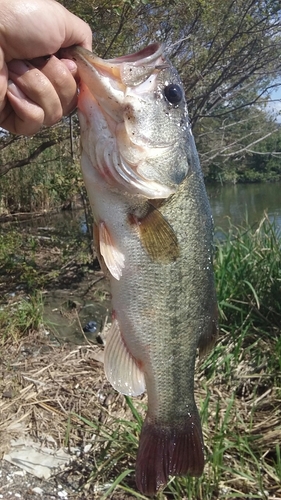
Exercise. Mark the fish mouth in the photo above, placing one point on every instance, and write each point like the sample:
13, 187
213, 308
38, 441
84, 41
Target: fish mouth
109, 87
148, 53
129, 70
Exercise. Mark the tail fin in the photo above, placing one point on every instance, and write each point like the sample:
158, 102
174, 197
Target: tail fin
165, 450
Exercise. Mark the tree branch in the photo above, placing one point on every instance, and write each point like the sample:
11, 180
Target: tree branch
28, 159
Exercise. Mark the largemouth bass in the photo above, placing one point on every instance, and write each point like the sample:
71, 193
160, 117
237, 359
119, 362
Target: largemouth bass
153, 233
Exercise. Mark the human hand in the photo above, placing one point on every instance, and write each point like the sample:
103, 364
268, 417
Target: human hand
36, 87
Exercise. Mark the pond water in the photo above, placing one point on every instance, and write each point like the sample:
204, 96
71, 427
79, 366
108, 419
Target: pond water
245, 203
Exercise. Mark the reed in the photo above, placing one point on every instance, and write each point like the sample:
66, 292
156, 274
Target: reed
248, 275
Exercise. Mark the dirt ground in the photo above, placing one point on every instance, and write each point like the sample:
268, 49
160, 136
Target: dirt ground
43, 387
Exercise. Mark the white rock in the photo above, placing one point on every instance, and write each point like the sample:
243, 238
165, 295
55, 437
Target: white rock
38, 460
38, 490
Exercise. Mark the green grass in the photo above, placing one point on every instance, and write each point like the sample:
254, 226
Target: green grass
248, 276
20, 316
237, 386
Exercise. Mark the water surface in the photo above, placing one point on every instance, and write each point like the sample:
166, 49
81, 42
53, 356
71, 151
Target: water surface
245, 203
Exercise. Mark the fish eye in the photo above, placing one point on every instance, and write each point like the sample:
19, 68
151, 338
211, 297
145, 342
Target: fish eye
173, 93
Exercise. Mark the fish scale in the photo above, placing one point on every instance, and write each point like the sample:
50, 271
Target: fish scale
153, 230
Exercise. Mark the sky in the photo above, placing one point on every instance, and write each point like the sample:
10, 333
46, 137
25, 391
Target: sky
275, 106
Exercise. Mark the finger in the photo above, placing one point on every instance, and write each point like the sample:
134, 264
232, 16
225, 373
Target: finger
20, 115
3, 80
71, 66
37, 88
61, 79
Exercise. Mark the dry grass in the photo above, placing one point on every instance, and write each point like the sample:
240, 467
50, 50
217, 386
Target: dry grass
46, 387
43, 384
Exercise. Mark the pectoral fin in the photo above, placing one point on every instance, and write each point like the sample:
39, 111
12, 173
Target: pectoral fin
157, 236
120, 367
113, 258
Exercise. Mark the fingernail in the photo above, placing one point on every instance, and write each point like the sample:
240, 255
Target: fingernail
71, 65
15, 90
18, 67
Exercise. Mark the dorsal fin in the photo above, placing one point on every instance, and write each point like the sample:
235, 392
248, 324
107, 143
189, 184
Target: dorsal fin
210, 333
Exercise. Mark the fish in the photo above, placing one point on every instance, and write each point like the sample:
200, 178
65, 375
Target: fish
153, 232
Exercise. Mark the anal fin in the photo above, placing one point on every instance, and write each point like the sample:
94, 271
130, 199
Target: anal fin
120, 366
